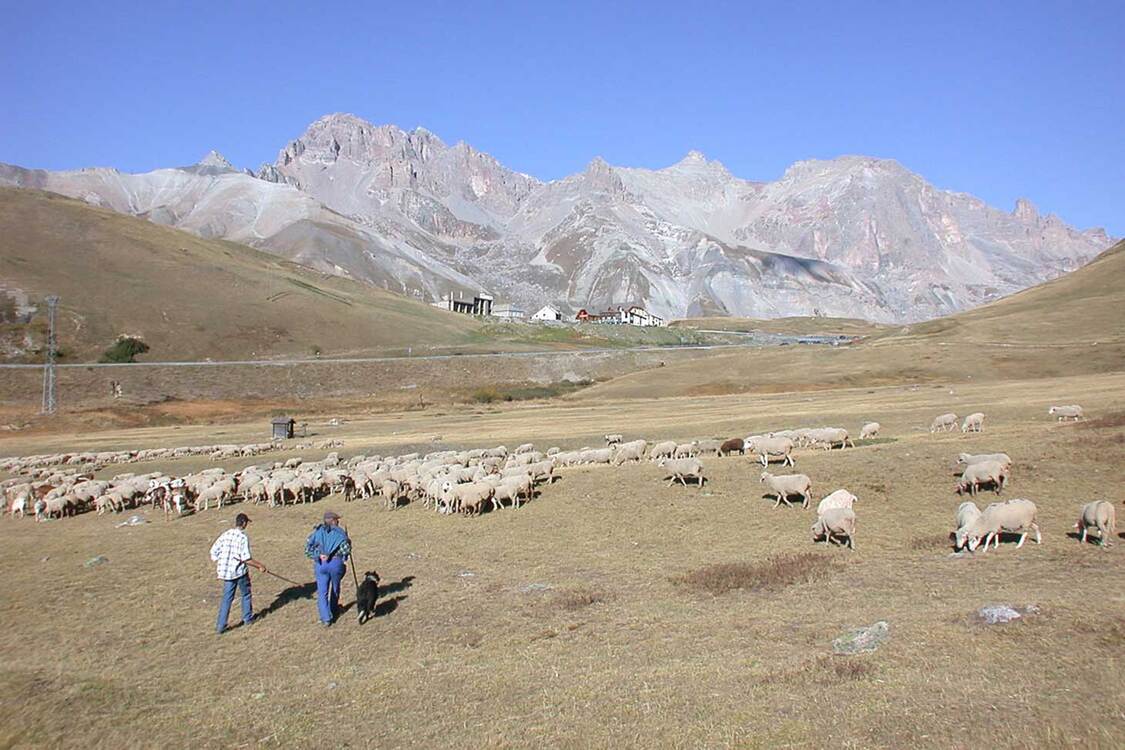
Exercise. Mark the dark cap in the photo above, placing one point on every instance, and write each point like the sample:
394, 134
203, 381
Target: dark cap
331, 515
241, 519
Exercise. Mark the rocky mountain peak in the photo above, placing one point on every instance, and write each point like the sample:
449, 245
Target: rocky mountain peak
1025, 210
216, 160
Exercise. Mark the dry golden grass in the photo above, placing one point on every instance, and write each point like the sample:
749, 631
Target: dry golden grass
560, 624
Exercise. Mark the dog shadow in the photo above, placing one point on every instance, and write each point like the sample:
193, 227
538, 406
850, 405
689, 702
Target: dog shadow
385, 607
291, 594
396, 587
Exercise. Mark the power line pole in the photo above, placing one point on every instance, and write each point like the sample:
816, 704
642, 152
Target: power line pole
50, 402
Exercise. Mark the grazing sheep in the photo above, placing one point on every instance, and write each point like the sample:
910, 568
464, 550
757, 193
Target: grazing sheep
1100, 516
391, 492
633, 451
870, 430
783, 485
768, 448
1074, 411
986, 472
682, 469
1014, 517
973, 423
525, 448
708, 446
734, 445
686, 450
664, 449
466, 498
828, 437
968, 459
612, 440
837, 499
944, 422
967, 515
835, 522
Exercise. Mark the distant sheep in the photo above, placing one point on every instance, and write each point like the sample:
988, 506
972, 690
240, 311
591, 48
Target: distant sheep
734, 445
784, 485
686, 450
986, 472
835, 522
1074, 411
870, 430
973, 423
631, 451
682, 469
664, 449
944, 422
768, 448
613, 439
1101, 517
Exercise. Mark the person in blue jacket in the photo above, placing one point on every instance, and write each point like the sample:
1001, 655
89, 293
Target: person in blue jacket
329, 547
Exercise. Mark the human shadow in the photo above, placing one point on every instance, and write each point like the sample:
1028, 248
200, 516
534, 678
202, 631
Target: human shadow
291, 594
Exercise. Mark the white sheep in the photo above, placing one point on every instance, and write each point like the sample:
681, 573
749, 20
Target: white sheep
1015, 517
967, 515
1074, 411
783, 485
836, 499
835, 522
985, 472
969, 459
973, 423
767, 448
663, 449
682, 469
525, 448
633, 451
945, 422
708, 446
614, 439
686, 450
1100, 516
870, 430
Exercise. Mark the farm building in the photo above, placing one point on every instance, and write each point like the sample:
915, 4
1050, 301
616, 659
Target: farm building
480, 304
282, 428
547, 313
633, 315
508, 311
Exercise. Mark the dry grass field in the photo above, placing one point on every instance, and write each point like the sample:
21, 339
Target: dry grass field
596, 616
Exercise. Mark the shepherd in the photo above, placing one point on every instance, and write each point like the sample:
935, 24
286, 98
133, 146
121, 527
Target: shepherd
231, 555
329, 548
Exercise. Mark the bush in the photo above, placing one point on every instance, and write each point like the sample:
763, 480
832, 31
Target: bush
773, 574
125, 349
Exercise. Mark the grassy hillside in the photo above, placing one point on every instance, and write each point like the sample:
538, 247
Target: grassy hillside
190, 298
795, 326
1072, 325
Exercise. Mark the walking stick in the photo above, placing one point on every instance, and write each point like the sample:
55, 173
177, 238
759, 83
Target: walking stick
355, 576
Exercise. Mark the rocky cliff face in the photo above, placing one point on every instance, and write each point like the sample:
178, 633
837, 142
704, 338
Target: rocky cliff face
853, 236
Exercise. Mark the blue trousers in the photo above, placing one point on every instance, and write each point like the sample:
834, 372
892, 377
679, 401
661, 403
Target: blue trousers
328, 577
242, 584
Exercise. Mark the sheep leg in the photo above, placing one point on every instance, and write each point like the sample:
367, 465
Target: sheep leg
1039, 537
1083, 539
1023, 536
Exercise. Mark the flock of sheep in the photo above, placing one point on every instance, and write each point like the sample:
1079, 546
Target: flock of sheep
491, 479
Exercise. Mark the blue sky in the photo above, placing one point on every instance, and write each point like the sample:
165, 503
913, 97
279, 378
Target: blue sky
996, 99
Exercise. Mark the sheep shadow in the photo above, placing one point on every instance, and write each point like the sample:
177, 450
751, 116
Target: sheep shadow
291, 594
789, 503
1091, 537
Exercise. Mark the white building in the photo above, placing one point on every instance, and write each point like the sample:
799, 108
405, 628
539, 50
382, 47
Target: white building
508, 311
548, 313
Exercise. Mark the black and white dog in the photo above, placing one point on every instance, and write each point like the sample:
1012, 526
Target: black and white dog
366, 595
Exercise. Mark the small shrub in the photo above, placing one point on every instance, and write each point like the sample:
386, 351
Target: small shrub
125, 349
774, 573
578, 599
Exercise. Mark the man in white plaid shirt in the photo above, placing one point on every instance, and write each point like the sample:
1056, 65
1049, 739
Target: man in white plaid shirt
231, 555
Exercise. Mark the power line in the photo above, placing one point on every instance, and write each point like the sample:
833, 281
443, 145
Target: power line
50, 401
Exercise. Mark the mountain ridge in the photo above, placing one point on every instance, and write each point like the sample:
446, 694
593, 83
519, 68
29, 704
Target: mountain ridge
854, 236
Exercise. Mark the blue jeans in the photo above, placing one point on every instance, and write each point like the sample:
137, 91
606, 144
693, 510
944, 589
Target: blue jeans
328, 577
243, 584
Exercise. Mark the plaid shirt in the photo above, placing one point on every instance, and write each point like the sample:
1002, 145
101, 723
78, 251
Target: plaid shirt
231, 551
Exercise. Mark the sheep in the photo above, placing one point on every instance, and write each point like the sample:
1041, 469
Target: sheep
686, 450
596, 456
664, 449
837, 499
708, 446
525, 448
784, 485
767, 448
829, 436
734, 445
615, 439
512, 489
1015, 516
986, 472
967, 515
973, 423
682, 469
838, 522
633, 451
391, 492
543, 470
944, 422
968, 459
468, 498
1074, 411
870, 430
1100, 516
